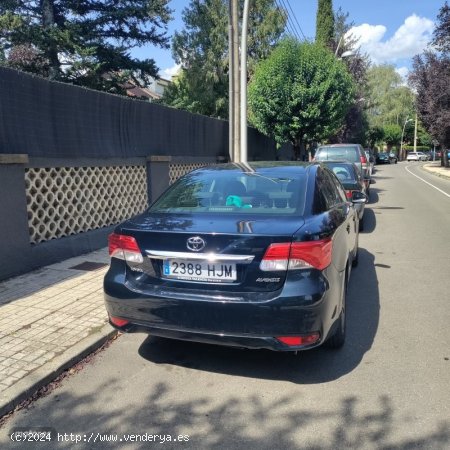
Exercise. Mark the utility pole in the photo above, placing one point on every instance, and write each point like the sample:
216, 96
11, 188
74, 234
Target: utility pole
401, 155
230, 83
235, 74
243, 135
415, 135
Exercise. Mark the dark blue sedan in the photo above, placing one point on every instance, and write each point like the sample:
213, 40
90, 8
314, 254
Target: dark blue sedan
251, 255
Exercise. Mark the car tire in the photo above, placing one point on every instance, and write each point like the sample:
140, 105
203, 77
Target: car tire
356, 259
337, 339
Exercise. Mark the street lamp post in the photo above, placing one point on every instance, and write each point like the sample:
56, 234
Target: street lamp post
401, 142
244, 82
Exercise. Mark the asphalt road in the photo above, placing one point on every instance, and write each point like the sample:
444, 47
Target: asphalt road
388, 388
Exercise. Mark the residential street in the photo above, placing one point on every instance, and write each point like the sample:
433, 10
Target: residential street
388, 388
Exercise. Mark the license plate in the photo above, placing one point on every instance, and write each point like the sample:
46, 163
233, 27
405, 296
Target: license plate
199, 271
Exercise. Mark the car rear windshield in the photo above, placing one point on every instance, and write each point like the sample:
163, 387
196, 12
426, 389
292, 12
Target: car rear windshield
340, 153
222, 192
344, 172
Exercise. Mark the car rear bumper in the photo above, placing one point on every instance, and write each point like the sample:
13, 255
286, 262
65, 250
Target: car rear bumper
250, 324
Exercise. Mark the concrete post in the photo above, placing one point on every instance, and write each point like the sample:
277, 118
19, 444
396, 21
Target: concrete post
14, 235
158, 177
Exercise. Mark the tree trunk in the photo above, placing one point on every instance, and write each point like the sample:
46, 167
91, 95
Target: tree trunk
48, 22
296, 149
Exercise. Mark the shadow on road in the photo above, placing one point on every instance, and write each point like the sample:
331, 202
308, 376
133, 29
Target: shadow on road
116, 403
310, 367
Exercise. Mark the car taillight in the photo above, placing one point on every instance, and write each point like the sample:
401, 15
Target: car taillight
295, 341
363, 159
124, 247
118, 322
298, 255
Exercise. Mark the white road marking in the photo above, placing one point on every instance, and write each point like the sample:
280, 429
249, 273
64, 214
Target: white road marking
429, 184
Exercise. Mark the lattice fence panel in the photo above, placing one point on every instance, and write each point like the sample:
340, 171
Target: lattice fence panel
63, 201
178, 170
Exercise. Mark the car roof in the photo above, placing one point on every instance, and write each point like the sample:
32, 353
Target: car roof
340, 145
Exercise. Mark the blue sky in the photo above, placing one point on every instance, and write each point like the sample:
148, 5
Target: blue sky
390, 31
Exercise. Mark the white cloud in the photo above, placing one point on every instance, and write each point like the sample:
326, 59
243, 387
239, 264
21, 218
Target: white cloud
171, 71
403, 72
410, 39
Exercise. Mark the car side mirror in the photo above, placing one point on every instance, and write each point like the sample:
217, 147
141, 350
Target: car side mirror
359, 197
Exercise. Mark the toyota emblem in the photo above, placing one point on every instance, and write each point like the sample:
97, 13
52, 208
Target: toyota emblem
196, 244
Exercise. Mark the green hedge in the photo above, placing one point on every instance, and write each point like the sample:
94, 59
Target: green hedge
420, 148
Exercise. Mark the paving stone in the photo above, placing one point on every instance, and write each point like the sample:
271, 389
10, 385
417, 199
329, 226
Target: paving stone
46, 312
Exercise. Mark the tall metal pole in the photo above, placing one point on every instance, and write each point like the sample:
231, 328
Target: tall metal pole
401, 156
236, 91
230, 83
415, 135
243, 136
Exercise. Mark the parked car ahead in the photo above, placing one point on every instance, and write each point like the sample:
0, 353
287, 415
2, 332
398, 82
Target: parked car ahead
256, 255
386, 158
353, 153
352, 181
416, 156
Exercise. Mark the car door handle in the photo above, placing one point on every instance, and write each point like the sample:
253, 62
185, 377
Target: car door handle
348, 228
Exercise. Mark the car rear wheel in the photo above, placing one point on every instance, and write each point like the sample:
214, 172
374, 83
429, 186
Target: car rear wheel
337, 339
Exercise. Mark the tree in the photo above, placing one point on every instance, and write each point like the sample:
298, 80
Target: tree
392, 135
355, 124
441, 34
388, 100
202, 50
374, 135
325, 23
430, 77
299, 94
84, 42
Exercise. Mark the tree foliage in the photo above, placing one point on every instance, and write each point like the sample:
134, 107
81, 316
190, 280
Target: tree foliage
325, 23
374, 135
430, 78
202, 50
355, 124
84, 42
392, 134
389, 101
300, 93
441, 34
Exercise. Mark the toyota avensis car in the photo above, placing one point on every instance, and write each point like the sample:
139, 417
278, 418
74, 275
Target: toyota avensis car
253, 255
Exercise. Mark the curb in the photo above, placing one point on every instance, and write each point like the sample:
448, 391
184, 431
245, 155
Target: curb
29, 384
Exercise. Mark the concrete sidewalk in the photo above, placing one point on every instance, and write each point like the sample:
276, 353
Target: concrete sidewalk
435, 168
53, 317
49, 320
